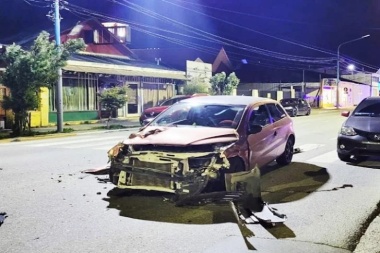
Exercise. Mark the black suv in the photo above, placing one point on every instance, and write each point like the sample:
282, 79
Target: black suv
359, 136
296, 106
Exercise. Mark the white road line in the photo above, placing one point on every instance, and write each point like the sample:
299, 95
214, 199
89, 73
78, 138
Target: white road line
110, 144
308, 147
104, 148
328, 157
56, 143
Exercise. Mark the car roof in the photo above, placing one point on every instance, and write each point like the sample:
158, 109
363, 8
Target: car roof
225, 99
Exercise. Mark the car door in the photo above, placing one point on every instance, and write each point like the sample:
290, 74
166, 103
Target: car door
280, 127
261, 145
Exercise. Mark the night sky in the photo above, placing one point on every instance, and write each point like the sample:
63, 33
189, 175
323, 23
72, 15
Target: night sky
269, 28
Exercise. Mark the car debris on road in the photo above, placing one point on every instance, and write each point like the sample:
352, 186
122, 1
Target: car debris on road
2, 217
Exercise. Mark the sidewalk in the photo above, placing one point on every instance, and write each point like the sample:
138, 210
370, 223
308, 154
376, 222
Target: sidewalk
77, 126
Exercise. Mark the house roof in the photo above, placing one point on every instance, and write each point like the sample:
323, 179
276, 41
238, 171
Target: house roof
177, 57
116, 65
93, 24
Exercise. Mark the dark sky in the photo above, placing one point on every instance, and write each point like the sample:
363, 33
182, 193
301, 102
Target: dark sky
288, 27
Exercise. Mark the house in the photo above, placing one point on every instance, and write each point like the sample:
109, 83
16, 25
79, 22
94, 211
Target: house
106, 62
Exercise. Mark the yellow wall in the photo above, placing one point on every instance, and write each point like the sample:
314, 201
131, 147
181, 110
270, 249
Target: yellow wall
40, 118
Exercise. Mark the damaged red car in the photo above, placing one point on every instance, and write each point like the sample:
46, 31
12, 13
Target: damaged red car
204, 144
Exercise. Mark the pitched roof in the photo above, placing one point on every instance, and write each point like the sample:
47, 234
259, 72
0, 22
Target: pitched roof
177, 57
93, 24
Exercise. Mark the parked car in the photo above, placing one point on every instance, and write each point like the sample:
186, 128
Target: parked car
152, 112
202, 142
359, 136
296, 106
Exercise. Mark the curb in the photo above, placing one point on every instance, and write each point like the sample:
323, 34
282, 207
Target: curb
38, 137
83, 131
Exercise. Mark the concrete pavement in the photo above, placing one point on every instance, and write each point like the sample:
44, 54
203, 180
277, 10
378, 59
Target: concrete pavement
369, 242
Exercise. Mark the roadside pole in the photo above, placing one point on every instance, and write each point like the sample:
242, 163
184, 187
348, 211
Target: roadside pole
59, 103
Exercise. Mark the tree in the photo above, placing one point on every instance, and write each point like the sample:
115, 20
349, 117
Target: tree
112, 99
223, 85
28, 70
195, 86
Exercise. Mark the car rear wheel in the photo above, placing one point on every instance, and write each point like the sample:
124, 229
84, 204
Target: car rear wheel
286, 157
295, 112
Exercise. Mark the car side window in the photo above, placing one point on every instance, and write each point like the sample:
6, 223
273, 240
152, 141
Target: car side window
259, 116
276, 112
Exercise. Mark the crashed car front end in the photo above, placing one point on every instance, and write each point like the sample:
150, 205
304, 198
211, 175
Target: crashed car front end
174, 169
188, 152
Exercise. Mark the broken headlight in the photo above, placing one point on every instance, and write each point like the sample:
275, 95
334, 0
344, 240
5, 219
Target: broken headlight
220, 148
199, 162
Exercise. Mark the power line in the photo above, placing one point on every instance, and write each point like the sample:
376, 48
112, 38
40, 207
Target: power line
204, 36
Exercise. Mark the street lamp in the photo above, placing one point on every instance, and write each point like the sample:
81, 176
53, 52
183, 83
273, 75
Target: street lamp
351, 68
337, 66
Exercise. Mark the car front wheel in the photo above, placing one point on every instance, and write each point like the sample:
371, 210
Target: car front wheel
286, 157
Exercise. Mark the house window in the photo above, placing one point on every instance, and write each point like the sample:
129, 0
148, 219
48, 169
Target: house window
88, 36
78, 93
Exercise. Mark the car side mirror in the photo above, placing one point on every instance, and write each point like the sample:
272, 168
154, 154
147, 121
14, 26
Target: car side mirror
254, 129
345, 113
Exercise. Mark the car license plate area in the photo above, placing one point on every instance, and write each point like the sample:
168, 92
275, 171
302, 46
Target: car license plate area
375, 147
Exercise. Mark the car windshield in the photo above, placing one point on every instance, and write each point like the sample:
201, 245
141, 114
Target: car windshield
205, 115
368, 108
286, 102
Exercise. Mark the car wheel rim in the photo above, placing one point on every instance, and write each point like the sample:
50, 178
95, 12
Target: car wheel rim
289, 151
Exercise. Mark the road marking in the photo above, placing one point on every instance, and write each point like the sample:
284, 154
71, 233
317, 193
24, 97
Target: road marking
110, 144
76, 141
328, 157
308, 147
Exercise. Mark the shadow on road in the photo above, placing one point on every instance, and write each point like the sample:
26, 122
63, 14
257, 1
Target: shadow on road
279, 185
156, 206
292, 182
370, 162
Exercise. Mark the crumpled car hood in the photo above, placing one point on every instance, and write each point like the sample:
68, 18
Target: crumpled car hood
182, 136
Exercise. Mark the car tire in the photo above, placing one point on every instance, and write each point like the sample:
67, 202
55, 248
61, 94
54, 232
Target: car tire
345, 158
308, 112
113, 175
286, 157
236, 165
295, 112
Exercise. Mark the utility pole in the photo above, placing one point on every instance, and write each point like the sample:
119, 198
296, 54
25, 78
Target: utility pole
59, 104
337, 66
